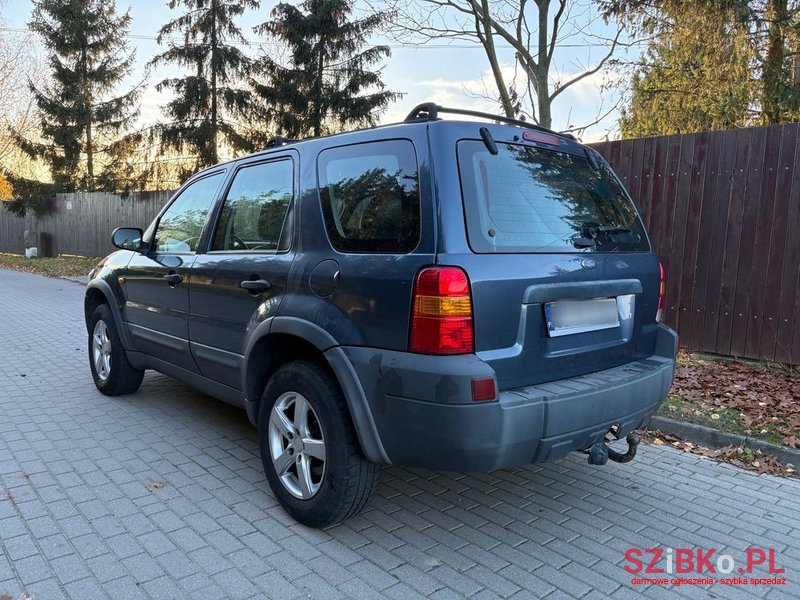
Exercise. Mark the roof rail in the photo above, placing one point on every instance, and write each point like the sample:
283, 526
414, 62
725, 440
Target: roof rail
277, 141
429, 111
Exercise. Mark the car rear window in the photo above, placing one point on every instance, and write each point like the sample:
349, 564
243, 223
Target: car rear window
370, 196
531, 199
255, 208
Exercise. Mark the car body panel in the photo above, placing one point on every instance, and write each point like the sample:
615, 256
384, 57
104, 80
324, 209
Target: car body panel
219, 337
353, 308
510, 328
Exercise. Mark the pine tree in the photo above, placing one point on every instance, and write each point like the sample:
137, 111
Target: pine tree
325, 86
202, 114
778, 31
712, 64
81, 119
696, 76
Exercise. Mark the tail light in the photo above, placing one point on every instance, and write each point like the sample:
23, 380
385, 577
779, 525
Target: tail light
441, 318
662, 295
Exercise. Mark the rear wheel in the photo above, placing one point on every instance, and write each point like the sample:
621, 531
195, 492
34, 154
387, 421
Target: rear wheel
309, 447
112, 373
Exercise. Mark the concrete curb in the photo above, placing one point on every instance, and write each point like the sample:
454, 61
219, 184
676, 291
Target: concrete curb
713, 438
80, 279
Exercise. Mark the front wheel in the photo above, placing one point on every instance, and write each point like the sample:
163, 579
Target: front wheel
309, 448
112, 373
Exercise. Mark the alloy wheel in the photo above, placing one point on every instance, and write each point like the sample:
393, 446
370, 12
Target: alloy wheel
296, 445
101, 350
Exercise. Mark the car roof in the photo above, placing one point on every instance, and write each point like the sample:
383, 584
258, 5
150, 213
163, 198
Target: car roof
392, 129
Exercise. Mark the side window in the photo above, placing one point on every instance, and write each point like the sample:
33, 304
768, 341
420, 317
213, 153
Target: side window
180, 226
255, 208
370, 196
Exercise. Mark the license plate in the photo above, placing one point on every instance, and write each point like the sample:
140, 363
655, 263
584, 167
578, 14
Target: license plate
567, 317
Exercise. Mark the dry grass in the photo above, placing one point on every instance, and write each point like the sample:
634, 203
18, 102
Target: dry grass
59, 266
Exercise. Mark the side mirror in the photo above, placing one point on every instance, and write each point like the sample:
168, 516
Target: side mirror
127, 238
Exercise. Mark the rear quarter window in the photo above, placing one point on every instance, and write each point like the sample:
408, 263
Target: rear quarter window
370, 196
531, 199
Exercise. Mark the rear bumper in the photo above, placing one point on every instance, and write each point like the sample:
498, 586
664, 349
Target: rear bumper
418, 406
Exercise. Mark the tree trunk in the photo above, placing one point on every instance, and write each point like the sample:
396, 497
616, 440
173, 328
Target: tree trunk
87, 98
542, 72
772, 76
487, 39
89, 156
543, 98
318, 90
213, 140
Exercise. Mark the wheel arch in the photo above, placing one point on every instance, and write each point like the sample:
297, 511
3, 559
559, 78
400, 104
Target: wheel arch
99, 292
283, 339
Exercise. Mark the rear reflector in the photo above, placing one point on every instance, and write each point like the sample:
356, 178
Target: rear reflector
441, 318
662, 295
483, 390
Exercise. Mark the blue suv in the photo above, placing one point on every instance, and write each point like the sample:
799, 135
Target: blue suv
460, 295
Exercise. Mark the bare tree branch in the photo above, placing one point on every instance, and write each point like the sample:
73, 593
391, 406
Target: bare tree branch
554, 35
534, 48
588, 72
18, 65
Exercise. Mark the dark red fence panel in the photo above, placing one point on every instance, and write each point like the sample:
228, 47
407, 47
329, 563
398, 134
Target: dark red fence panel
723, 212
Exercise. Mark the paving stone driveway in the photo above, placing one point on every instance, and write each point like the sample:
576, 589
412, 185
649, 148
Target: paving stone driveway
85, 512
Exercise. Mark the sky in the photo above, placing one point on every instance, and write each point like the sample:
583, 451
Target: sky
451, 76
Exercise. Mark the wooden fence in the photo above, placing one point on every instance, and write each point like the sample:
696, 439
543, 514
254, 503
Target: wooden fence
723, 212
722, 209
81, 223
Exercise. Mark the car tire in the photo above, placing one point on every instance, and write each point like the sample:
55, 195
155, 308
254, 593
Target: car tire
112, 373
309, 449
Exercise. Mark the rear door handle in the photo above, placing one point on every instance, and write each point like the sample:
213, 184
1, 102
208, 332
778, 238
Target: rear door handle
173, 278
256, 286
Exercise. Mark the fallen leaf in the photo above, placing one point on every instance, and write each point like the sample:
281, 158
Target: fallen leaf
156, 485
742, 457
791, 441
765, 397
433, 562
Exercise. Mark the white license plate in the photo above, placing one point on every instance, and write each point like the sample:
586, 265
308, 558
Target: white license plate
567, 317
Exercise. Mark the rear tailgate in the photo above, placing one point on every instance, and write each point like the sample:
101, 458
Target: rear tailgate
563, 279
511, 295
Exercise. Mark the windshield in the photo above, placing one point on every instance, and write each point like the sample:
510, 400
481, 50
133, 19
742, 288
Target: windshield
529, 199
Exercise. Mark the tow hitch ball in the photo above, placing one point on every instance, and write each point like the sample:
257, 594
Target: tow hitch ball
599, 453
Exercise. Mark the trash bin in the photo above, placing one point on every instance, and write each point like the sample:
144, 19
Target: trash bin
31, 239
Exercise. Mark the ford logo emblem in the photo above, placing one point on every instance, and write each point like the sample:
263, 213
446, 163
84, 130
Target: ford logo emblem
588, 263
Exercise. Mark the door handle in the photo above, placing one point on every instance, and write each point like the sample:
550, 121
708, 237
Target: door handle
172, 279
256, 286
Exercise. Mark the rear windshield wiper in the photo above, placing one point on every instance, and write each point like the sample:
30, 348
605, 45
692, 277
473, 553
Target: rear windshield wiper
592, 231
488, 141
611, 229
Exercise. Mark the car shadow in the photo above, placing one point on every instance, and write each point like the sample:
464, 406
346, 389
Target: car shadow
520, 509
